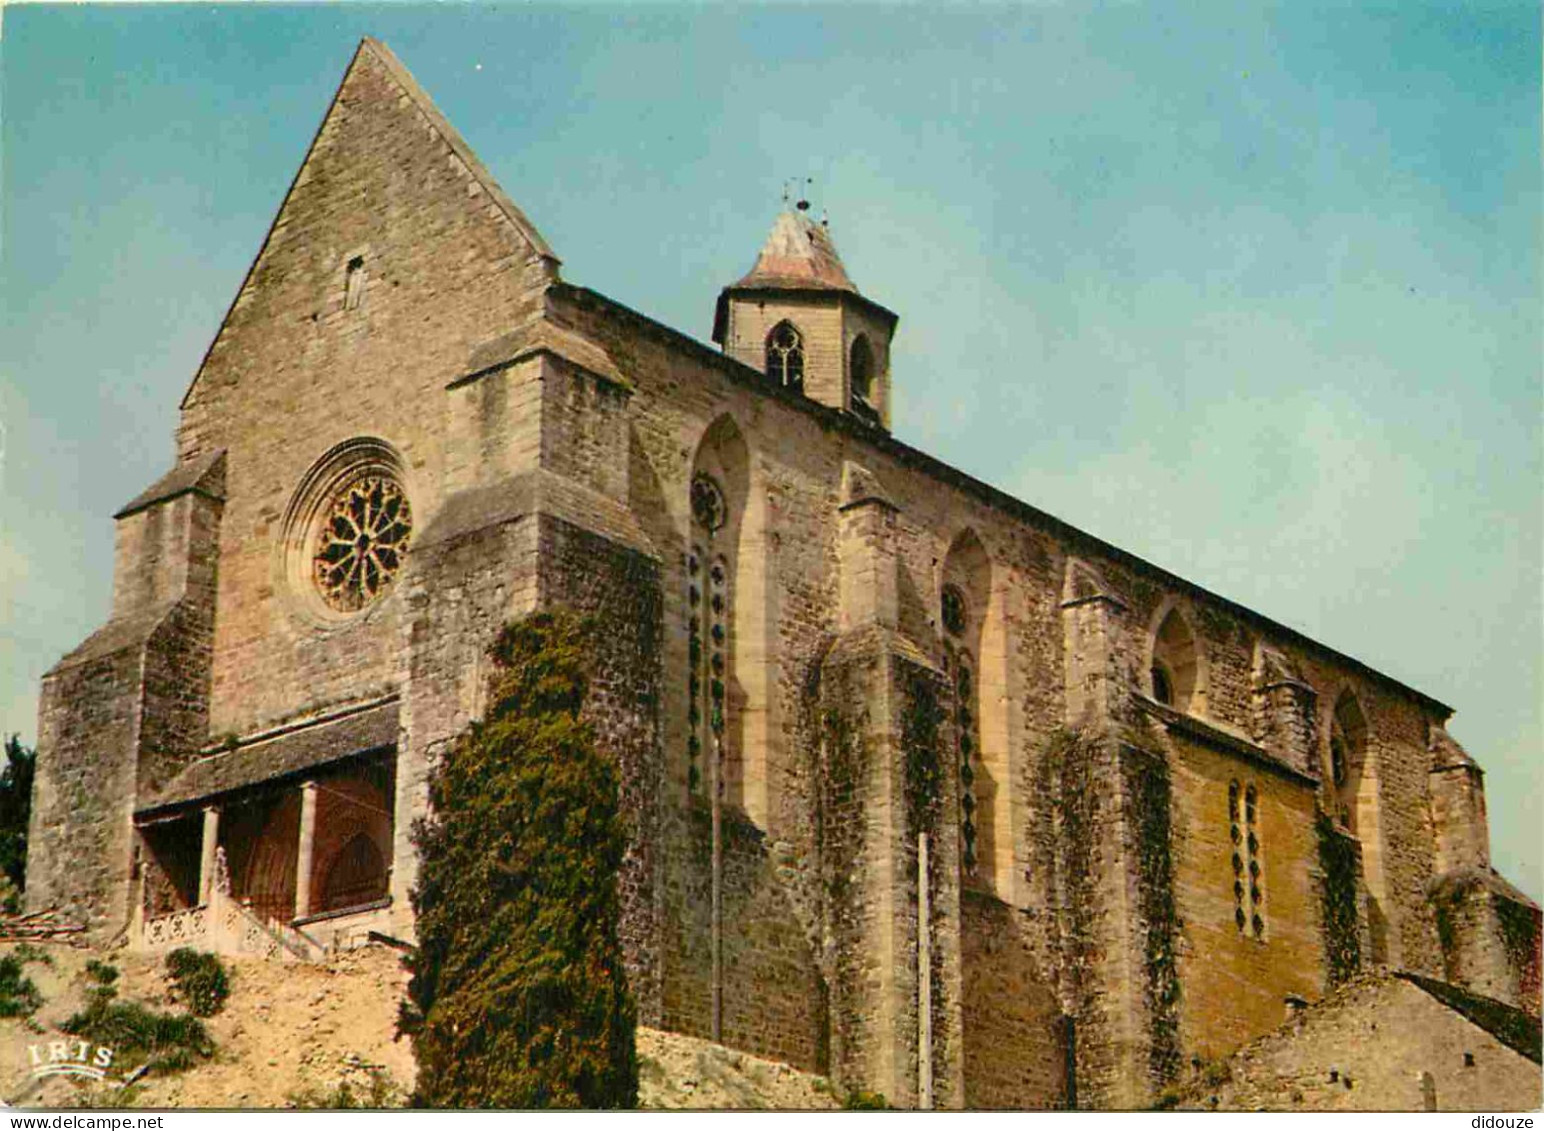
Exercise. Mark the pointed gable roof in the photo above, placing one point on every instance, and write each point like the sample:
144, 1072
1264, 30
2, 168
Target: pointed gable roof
380, 54
457, 143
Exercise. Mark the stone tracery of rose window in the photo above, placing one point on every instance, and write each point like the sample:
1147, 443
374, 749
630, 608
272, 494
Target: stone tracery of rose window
362, 542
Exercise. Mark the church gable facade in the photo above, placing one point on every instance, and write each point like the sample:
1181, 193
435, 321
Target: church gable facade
929, 790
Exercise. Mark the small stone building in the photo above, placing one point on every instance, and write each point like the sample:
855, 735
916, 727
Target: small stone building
1381, 1042
929, 790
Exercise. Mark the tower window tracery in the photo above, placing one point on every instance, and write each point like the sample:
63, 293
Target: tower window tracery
785, 356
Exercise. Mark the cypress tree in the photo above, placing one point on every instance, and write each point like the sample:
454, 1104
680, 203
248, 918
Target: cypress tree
518, 997
15, 809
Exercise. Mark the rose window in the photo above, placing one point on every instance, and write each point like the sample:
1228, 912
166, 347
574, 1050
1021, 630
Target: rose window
362, 542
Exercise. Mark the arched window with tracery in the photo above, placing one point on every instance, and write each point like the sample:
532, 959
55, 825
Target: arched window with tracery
785, 356
720, 692
962, 616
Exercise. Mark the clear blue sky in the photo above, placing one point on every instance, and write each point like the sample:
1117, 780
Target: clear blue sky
1251, 291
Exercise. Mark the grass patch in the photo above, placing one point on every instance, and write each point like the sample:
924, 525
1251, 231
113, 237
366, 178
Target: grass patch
380, 1091
26, 952
108, 1097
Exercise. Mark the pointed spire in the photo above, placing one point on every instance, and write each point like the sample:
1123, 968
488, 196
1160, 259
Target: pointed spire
799, 270
799, 255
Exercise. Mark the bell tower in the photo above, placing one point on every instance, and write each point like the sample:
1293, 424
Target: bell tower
798, 319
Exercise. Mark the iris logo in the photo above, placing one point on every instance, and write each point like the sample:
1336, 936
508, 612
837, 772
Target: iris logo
70, 1058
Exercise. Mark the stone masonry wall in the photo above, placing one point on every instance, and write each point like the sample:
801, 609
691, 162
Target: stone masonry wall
457, 594
886, 766
1490, 937
819, 322
797, 459
1014, 1031
1381, 1044
1234, 983
1458, 819
617, 587
174, 708
295, 372
87, 742
123, 712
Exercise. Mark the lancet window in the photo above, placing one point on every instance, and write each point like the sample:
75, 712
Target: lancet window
708, 581
961, 665
1248, 860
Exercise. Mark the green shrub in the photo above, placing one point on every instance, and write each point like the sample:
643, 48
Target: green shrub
18, 996
10, 896
859, 1100
200, 980
102, 973
138, 1035
518, 997
1216, 1074
15, 811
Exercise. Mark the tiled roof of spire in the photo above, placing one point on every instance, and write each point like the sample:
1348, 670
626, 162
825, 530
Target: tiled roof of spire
799, 255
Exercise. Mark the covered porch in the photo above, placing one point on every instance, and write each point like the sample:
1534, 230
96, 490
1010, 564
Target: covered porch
279, 847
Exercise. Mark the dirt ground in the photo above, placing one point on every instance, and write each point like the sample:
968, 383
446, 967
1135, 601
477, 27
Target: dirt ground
292, 1033
675, 1071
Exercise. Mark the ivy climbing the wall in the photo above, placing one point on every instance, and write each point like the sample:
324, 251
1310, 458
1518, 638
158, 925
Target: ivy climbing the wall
1444, 905
1147, 797
1067, 853
919, 739
1520, 938
1342, 939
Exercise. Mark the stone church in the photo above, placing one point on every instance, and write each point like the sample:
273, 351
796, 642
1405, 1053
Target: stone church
928, 790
